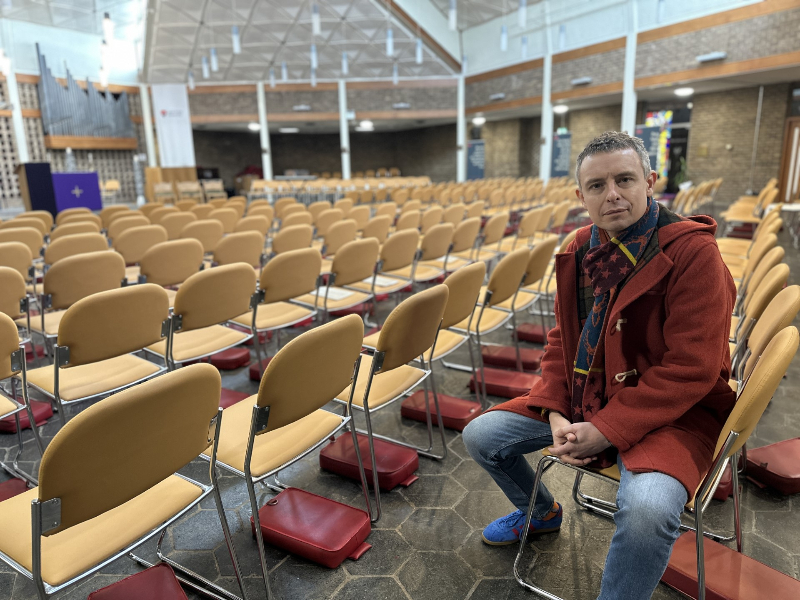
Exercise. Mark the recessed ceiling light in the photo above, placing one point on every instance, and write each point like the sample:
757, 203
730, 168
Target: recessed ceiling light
366, 125
254, 126
684, 91
478, 121
289, 130
560, 109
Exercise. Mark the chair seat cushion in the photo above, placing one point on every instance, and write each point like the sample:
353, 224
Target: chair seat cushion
325, 266
7, 406
481, 255
95, 378
524, 298
425, 272
275, 316
272, 449
132, 273
338, 298
386, 386
51, 322
71, 552
383, 284
447, 341
492, 319
187, 345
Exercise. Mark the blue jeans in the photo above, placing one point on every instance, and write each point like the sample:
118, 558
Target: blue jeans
650, 504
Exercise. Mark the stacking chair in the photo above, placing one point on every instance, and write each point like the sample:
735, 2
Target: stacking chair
29, 236
337, 236
292, 238
360, 214
771, 258
354, 263
772, 223
99, 497
297, 218
96, 336
14, 301
121, 224
285, 421
344, 205
386, 208
315, 208
201, 211
290, 209
217, 203
486, 248
327, 218
212, 189
378, 228
186, 205
475, 209
454, 214
755, 302
64, 229
526, 231
164, 193
108, 211
148, 209
409, 219
18, 222
464, 239
434, 253
411, 205
43, 215
133, 243
207, 231
242, 247
81, 217
175, 222
259, 223
264, 210
750, 405
17, 256
72, 279
189, 190
430, 218
284, 278
396, 264
70, 211
741, 268
12, 366
161, 212
237, 203
227, 216
204, 304
281, 203
71, 245
408, 333
169, 264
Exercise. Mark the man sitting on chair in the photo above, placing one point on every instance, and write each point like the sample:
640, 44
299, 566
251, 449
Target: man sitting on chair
635, 371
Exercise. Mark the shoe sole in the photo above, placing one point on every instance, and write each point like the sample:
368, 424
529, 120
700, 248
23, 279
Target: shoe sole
535, 532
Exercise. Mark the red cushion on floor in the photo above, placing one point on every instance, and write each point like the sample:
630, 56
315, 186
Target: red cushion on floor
396, 464
506, 357
316, 528
531, 332
456, 412
729, 574
230, 359
776, 465
506, 384
12, 487
255, 372
725, 487
354, 310
156, 583
29, 351
41, 412
304, 323
230, 397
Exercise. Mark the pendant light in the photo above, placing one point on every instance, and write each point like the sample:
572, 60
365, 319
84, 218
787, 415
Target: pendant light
314, 60
204, 67
236, 40
190, 79
316, 26
345, 65
395, 75
522, 13
504, 38
419, 51
271, 77
313, 78
284, 72
214, 60
523, 45
389, 42
452, 16
108, 26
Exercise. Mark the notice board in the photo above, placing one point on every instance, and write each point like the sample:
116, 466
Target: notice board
562, 148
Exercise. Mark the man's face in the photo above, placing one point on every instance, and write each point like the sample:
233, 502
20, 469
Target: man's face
614, 190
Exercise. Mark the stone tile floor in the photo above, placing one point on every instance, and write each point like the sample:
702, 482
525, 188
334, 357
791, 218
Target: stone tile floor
427, 545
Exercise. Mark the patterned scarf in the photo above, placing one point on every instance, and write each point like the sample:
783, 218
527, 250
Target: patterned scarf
603, 270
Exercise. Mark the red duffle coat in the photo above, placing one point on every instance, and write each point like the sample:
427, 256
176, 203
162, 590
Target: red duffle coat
670, 323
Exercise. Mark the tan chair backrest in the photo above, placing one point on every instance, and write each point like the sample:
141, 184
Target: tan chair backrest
202, 211
465, 286
70, 211
408, 220
29, 236
359, 214
126, 214
133, 243
292, 238
76, 277
771, 258
18, 222
355, 261
411, 205
264, 210
568, 239
280, 203
79, 227
172, 262
227, 216
17, 256
81, 217
539, 260
12, 290
779, 313
148, 208
215, 295
217, 203
430, 218
174, 223
9, 343
332, 349
100, 439
344, 205
105, 214
475, 209
161, 212
437, 241
119, 225
339, 234
454, 214
494, 229
378, 228
186, 205
411, 328
44, 216
258, 223
764, 244
316, 208
466, 233
399, 250
327, 218
290, 274
290, 209
400, 197
207, 231
74, 244
134, 314
769, 287
387, 208
507, 276
297, 218
245, 246
529, 224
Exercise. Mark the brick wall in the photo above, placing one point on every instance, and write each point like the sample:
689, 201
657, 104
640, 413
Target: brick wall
729, 117
512, 147
585, 125
427, 98
518, 85
761, 36
244, 103
606, 67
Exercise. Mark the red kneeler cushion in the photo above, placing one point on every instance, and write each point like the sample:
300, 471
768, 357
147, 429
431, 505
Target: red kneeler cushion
230, 359
41, 412
396, 464
457, 413
156, 583
319, 529
506, 357
776, 465
506, 384
12, 487
230, 397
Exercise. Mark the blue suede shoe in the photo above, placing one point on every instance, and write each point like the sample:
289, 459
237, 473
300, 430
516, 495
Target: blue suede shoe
506, 530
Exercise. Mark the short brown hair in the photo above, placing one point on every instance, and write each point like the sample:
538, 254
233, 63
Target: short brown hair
614, 141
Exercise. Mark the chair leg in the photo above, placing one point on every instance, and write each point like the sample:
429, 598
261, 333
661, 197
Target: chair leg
701, 558
251, 492
737, 522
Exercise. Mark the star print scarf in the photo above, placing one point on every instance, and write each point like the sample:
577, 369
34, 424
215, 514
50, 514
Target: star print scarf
604, 268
